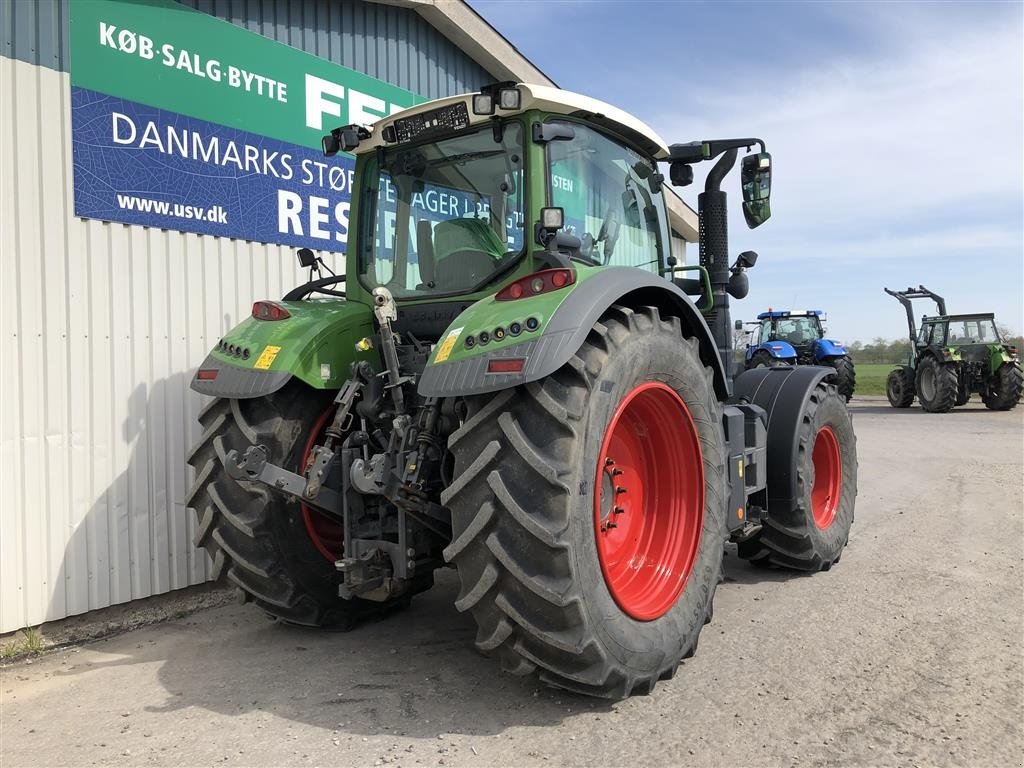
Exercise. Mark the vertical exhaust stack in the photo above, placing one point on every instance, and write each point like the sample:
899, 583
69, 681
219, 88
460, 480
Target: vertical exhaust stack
712, 210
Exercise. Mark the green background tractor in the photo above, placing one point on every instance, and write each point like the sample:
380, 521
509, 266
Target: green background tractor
511, 380
952, 357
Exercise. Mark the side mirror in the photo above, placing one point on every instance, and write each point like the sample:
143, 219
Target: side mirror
306, 258
756, 181
747, 259
738, 325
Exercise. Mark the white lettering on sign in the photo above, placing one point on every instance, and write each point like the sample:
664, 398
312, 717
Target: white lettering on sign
561, 182
290, 219
129, 42
316, 105
324, 97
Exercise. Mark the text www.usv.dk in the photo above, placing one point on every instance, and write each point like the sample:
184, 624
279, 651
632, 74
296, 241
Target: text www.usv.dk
215, 214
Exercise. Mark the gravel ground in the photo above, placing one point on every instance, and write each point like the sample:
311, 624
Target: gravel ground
909, 652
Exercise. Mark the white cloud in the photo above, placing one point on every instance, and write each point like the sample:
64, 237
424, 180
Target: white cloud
937, 128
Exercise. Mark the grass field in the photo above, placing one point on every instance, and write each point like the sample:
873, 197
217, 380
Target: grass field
871, 378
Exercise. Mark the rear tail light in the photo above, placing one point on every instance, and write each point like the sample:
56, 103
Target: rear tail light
207, 374
539, 282
508, 365
268, 310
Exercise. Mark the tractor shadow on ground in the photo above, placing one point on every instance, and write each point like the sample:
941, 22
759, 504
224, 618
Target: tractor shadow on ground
737, 571
916, 411
411, 673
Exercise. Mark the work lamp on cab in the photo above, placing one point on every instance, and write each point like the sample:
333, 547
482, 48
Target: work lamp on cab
510, 98
552, 219
483, 104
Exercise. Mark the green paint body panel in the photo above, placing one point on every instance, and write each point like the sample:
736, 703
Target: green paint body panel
488, 314
999, 354
321, 331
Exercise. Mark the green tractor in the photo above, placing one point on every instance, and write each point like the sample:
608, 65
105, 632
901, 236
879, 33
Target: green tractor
511, 380
952, 357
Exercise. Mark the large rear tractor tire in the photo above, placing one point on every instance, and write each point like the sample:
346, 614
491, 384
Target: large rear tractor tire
899, 388
763, 359
279, 553
588, 511
936, 385
810, 535
846, 375
1004, 392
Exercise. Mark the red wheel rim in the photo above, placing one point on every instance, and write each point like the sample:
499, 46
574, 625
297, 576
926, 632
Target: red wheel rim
649, 501
326, 534
828, 477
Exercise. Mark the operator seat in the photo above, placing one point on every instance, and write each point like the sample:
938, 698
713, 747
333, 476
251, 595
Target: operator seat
465, 253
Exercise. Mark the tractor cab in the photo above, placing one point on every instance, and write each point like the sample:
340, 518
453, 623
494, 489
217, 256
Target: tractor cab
798, 328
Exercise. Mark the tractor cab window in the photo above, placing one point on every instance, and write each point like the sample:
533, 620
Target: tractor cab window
795, 330
606, 192
933, 333
973, 331
443, 217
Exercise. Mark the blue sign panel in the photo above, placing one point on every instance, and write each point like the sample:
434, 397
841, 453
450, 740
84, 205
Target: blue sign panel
142, 165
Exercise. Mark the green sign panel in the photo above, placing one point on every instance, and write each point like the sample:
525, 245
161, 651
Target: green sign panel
163, 54
183, 121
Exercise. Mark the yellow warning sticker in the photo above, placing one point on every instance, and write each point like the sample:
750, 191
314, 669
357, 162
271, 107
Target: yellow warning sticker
266, 357
445, 350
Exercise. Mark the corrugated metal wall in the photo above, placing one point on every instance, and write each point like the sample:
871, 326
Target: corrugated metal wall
102, 324
383, 41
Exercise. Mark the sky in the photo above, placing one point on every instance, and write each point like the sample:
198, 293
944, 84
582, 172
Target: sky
896, 132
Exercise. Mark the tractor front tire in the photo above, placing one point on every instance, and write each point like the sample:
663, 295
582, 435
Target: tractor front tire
936, 385
846, 375
266, 544
588, 511
1004, 392
811, 535
899, 388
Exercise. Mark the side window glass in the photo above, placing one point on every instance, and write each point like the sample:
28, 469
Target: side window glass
602, 187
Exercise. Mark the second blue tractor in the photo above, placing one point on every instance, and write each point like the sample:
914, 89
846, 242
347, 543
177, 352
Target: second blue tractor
796, 337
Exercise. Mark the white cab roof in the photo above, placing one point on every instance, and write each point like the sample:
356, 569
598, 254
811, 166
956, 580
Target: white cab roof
549, 99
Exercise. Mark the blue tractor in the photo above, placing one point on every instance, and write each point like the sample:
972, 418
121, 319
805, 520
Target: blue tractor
796, 337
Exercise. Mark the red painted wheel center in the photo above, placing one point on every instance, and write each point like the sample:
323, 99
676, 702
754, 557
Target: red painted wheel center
326, 534
828, 477
649, 501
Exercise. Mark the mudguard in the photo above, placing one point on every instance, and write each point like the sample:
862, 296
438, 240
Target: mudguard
829, 348
783, 393
780, 350
564, 318
315, 344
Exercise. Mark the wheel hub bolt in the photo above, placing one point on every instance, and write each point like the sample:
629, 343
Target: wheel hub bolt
619, 489
618, 510
616, 472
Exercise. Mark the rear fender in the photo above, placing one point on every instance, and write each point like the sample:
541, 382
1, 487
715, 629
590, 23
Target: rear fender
316, 345
826, 349
564, 318
780, 350
783, 393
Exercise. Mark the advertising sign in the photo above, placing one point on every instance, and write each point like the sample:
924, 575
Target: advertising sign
183, 121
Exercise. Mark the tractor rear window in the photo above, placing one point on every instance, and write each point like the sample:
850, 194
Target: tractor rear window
443, 217
980, 331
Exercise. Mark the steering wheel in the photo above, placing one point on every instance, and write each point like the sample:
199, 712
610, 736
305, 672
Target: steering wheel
316, 286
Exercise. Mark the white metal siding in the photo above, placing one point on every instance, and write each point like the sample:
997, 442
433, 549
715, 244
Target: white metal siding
102, 326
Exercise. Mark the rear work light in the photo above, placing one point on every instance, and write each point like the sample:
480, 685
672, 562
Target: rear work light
268, 310
539, 282
508, 365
